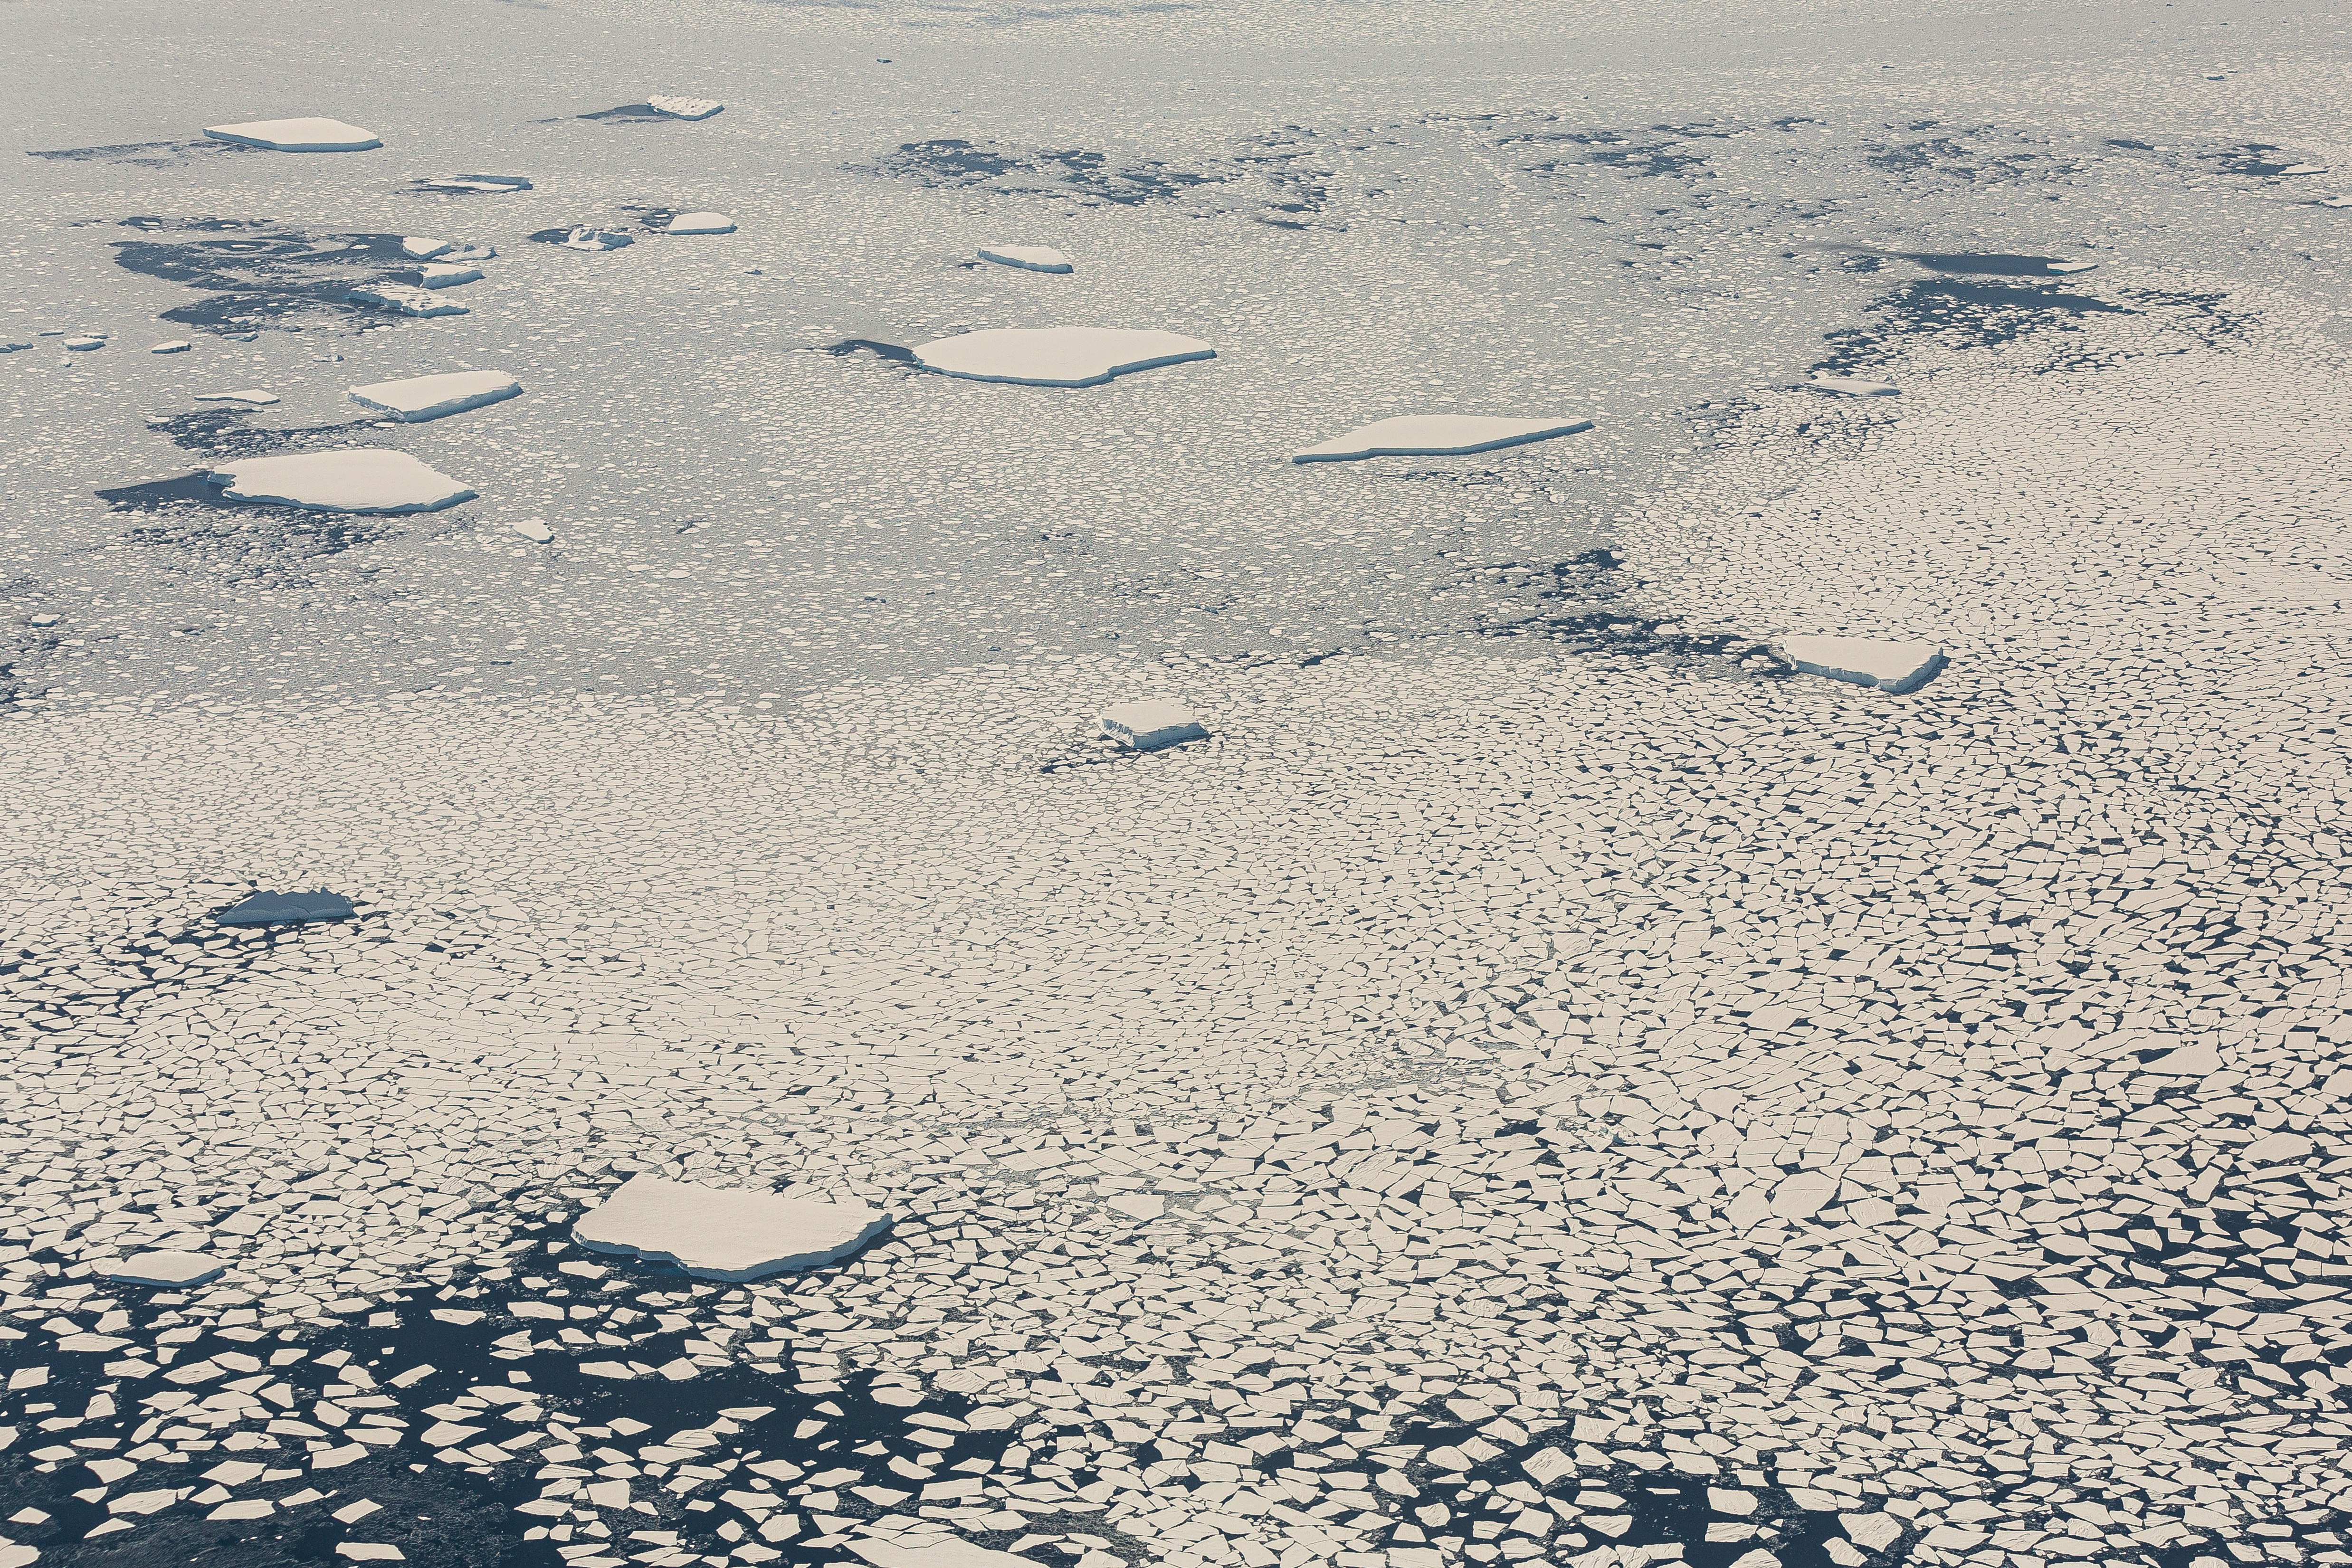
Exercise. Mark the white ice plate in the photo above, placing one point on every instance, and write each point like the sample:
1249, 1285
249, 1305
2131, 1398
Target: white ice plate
1868, 661
685, 108
493, 185
1058, 356
534, 530
426, 249
1437, 436
405, 297
312, 135
950, 1553
363, 479
447, 274
175, 346
1853, 386
251, 394
700, 224
1029, 258
2071, 265
84, 345
720, 1233
421, 398
2303, 169
166, 1268
1149, 725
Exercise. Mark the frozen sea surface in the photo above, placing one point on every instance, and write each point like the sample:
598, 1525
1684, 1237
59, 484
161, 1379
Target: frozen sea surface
1540, 1081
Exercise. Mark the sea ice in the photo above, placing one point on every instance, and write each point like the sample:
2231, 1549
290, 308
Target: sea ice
287, 909
2071, 265
700, 224
1853, 386
717, 1233
585, 239
536, 531
1029, 257
489, 185
683, 108
421, 398
405, 297
251, 394
313, 135
1437, 436
1890, 667
2303, 169
1058, 356
1149, 725
358, 479
167, 1269
426, 249
84, 345
947, 1551
444, 275
175, 346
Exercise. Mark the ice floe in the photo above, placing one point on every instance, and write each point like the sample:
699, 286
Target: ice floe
2068, 267
426, 249
167, 1269
1437, 436
1028, 257
306, 135
485, 184
360, 480
258, 396
1891, 666
1851, 386
287, 909
533, 530
447, 274
420, 398
677, 107
1058, 356
935, 1552
406, 298
1151, 723
84, 345
724, 1233
699, 224
585, 239
172, 345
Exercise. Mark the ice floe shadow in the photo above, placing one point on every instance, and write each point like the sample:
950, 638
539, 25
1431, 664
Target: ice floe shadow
144, 154
257, 274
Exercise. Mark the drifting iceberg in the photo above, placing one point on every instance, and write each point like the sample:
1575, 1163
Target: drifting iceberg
718, 1233
421, 398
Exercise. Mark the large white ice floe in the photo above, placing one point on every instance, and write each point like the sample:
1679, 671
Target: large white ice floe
1058, 356
721, 1233
425, 249
533, 530
447, 274
1853, 386
683, 108
937, 1551
699, 224
2070, 267
1891, 666
311, 135
1028, 257
421, 398
1149, 725
169, 1269
405, 297
1437, 436
361, 479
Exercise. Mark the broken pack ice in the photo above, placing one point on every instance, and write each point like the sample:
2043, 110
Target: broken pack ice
405, 297
420, 398
1891, 666
1058, 356
358, 479
304, 135
1437, 436
166, 1268
1149, 725
720, 1233
287, 909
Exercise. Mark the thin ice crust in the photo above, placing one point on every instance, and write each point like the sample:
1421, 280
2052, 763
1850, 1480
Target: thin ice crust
718, 1233
1437, 436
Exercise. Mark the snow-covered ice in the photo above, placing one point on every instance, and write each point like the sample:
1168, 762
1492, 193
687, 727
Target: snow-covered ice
303, 135
172, 345
1028, 257
677, 107
426, 249
420, 398
357, 479
406, 298
84, 345
167, 1269
1437, 436
533, 530
1058, 356
1853, 386
1891, 665
1151, 723
699, 224
447, 274
725, 1233
486, 184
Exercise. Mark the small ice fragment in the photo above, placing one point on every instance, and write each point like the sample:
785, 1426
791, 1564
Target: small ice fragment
369, 1552
586, 238
1437, 436
169, 1269
357, 479
492, 184
1151, 723
84, 345
2303, 169
714, 1233
352, 1512
312, 135
1890, 667
938, 1551
1058, 356
287, 909
1140, 1205
251, 394
2070, 265
426, 249
1029, 257
448, 276
537, 532
176, 346
46, 619
683, 108
405, 298
421, 398
1853, 386
700, 224
11, 346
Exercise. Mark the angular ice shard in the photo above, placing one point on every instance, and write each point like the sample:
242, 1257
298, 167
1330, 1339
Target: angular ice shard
2073, 265
1151, 723
405, 297
1029, 257
166, 1268
683, 108
361, 480
1437, 436
1867, 661
718, 1233
287, 909
421, 398
312, 135
1058, 356
700, 224
937, 1551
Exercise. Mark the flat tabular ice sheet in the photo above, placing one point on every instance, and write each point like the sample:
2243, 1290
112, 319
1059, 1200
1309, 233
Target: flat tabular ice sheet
1029, 257
936, 1553
718, 1233
1853, 386
368, 479
312, 135
421, 398
1058, 356
167, 1269
700, 224
1151, 723
1437, 436
1868, 661
683, 108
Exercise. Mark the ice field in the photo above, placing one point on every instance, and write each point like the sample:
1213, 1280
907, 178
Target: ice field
659, 916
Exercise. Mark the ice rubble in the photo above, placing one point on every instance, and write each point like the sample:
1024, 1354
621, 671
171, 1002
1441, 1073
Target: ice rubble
1058, 356
308, 135
166, 1268
287, 909
420, 398
1437, 436
1891, 666
358, 479
406, 298
1149, 725
1029, 257
700, 224
717, 1233
586, 238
